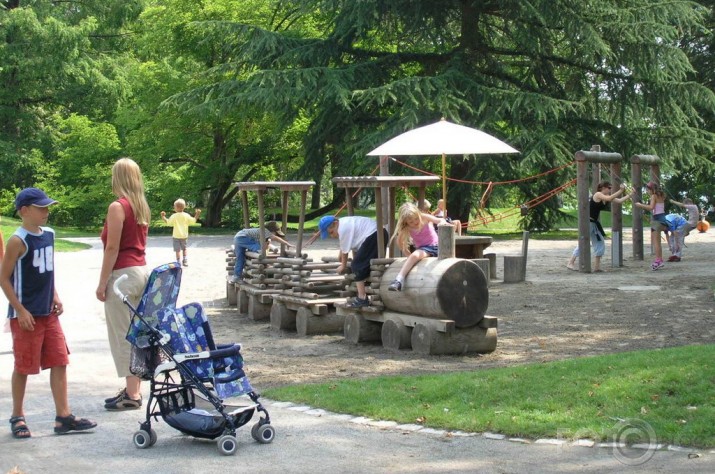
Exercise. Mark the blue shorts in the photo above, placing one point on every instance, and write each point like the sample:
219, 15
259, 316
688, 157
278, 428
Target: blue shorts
430, 250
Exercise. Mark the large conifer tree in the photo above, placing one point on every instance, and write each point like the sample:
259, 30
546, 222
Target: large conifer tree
549, 76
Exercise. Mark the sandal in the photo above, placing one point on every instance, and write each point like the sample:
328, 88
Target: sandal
19, 431
70, 423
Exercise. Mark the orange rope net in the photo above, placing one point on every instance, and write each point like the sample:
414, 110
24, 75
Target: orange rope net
482, 218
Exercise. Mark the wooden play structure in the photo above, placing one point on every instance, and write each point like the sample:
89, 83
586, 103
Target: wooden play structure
288, 288
442, 309
596, 158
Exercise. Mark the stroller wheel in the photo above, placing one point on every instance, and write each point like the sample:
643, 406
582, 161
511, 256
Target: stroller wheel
264, 434
227, 445
152, 437
143, 440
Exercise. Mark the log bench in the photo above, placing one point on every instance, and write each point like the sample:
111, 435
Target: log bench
471, 246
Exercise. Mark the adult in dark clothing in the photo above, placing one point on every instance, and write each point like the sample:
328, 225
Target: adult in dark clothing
599, 202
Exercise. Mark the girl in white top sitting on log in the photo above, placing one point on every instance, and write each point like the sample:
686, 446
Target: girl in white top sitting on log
439, 212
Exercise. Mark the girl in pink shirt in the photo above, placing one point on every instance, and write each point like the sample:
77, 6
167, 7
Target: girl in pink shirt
656, 206
416, 226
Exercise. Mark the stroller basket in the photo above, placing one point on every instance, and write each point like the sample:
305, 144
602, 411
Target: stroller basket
178, 408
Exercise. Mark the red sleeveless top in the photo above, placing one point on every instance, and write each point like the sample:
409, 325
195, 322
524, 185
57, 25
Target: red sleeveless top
132, 243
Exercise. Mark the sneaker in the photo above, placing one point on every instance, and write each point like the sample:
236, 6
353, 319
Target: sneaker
395, 285
119, 395
235, 279
658, 264
672, 258
676, 259
123, 402
185, 262
358, 303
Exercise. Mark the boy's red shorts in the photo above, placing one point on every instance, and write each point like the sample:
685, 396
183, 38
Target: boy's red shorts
45, 347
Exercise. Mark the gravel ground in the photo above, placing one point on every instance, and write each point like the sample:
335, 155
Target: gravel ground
555, 314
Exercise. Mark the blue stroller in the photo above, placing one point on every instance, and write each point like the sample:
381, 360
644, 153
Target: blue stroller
190, 376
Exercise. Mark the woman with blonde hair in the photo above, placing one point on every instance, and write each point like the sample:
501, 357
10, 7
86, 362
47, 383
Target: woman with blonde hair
124, 239
416, 226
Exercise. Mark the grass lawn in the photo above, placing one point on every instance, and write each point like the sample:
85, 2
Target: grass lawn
670, 390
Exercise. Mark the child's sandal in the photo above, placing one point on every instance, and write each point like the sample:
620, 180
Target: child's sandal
71, 423
19, 431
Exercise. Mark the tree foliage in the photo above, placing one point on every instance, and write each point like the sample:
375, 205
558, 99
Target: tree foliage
549, 76
204, 94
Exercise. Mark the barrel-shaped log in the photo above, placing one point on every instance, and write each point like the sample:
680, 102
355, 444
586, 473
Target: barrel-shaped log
358, 329
282, 318
307, 323
427, 340
451, 288
395, 335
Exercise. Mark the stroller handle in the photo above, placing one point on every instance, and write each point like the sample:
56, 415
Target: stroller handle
117, 283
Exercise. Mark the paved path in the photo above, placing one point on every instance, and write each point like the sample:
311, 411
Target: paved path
306, 440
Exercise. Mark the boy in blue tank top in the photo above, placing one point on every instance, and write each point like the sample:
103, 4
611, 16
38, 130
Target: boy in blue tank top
27, 278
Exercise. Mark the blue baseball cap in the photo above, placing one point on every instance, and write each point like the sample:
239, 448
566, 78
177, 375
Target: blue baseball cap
325, 222
32, 197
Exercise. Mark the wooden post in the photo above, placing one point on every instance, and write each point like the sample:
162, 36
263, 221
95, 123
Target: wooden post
349, 201
595, 170
242, 301
616, 220
584, 226
246, 215
492, 265
262, 220
446, 242
231, 295
385, 191
636, 177
637, 236
284, 217
392, 210
301, 221
524, 250
380, 224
